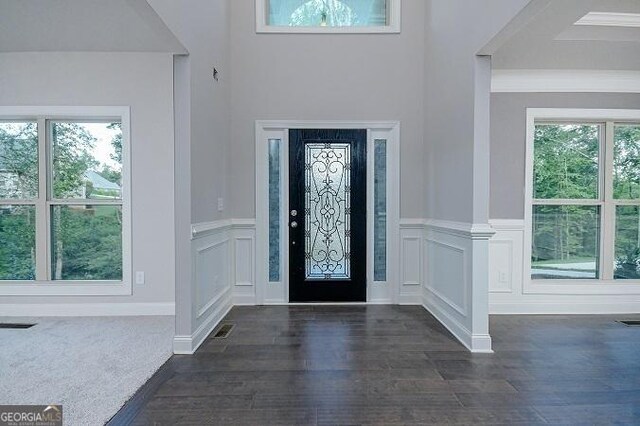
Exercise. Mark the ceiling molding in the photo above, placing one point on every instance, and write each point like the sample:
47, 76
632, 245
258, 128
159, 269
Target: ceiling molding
565, 81
610, 19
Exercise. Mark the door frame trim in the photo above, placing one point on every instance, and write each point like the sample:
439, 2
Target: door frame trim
278, 293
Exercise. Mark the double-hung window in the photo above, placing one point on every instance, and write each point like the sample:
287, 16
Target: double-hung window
584, 195
64, 200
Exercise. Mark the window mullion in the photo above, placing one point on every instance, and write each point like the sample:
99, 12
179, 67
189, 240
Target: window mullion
608, 219
41, 205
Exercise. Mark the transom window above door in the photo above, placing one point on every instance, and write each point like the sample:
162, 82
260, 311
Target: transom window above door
328, 16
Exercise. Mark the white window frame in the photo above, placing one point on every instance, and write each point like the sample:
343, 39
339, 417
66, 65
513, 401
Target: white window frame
393, 25
606, 117
43, 114
378, 292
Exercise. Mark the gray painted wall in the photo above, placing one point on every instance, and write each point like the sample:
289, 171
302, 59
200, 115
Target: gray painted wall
508, 139
202, 26
456, 31
144, 82
83, 26
326, 77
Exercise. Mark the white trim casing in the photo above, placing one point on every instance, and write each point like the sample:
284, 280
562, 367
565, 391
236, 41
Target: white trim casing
565, 81
394, 24
77, 288
575, 287
277, 293
610, 19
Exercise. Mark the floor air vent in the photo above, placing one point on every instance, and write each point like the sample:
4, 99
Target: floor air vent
15, 326
223, 332
631, 323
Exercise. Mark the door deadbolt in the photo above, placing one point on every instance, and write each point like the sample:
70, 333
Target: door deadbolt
294, 213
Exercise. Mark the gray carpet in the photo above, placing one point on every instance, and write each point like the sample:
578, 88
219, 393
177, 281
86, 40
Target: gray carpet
91, 366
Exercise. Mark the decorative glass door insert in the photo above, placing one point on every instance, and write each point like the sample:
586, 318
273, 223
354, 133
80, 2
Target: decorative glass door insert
327, 218
327, 210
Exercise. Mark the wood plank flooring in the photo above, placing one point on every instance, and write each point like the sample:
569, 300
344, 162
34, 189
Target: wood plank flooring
356, 365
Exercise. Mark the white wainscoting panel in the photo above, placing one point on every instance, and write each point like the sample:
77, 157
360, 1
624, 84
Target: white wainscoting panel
411, 261
211, 253
505, 256
244, 291
455, 262
211, 273
511, 286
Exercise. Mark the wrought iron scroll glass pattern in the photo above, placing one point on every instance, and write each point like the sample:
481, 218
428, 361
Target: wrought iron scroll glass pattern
327, 210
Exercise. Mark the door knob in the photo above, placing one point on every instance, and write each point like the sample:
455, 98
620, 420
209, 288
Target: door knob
294, 224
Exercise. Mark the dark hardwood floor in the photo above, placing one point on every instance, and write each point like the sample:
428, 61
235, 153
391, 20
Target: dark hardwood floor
356, 365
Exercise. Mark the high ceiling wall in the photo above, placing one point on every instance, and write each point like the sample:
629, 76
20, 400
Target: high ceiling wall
82, 26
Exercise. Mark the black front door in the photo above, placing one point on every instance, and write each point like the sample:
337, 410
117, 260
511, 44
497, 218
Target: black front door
327, 217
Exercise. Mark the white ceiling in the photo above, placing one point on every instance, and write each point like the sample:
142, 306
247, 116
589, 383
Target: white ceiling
83, 25
549, 39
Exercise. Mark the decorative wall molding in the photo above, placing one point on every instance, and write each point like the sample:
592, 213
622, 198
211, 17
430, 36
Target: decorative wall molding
411, 262
454, 256
461, 264
244, 269
85, 309
212, 276
199, 230
565, 81
513, 292
476, 231
505, 256
610, 19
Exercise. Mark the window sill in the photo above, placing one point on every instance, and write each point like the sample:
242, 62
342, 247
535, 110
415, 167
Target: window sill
68, 288
389, 29
582, 287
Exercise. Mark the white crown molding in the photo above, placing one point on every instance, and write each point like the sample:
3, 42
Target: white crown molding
610, 19
565, 81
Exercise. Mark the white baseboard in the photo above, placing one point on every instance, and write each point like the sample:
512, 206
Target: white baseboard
410, 299
476, 343
244, 300
187, 345
85, 309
